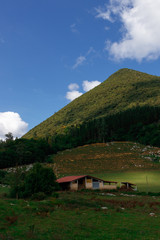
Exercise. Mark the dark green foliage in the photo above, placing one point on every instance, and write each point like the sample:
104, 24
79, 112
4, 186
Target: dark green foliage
15, 179
38, 196
137, 124
2, 176
40, 179
9, 136
23, 151
36, 182
49, 159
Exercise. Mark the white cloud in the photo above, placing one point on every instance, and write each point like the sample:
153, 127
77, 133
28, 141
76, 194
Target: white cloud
12, 122
89, 85
104, 13
86, 85
79, 61
140, 28
73, 95
73, 28
73, 86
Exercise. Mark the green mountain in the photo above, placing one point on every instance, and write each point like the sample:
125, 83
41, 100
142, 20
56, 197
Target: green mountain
126, 89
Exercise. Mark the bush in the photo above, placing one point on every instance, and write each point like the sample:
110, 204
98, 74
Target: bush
38, 196
2, 176
49, 159
36, 182
40, 179
55, 195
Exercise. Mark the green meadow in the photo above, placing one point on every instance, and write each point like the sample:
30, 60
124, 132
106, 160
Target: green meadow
147, 181
92, 215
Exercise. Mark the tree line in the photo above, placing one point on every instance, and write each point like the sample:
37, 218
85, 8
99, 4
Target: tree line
140, 124
23, 151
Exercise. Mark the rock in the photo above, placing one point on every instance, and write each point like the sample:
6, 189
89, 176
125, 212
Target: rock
152, 214
104, 208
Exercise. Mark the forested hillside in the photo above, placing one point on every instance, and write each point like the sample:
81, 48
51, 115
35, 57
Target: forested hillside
124, 90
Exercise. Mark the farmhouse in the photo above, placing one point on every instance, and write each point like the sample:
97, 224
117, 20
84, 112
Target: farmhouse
85, 182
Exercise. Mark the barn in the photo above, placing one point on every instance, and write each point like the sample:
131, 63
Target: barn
85, 182
128, 186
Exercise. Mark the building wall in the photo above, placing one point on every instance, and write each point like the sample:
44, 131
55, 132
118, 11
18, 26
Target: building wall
110, 187
89, 183
74, 186
101, 186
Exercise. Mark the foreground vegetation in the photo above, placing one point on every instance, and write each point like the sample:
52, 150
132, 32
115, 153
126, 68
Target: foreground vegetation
81, 215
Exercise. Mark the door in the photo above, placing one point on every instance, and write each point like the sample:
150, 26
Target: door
95, 185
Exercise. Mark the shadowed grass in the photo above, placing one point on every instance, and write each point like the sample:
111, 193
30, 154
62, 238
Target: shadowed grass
79, 215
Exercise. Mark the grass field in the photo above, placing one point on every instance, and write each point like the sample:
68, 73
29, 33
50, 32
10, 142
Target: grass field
81, 215
147, 181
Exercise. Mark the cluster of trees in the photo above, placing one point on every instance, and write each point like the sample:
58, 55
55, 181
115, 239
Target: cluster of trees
39, 180
22, 151
37, 183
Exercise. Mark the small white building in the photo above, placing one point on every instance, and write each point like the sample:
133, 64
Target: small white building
85, 182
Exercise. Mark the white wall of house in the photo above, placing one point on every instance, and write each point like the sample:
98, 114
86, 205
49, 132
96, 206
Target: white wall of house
110, 187
74, 185
88, 183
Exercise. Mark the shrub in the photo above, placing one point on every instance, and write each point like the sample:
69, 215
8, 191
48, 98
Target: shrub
55, 195
40, 179
2, 176
49, 159
38, 196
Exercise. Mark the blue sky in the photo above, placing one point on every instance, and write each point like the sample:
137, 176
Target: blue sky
52, 51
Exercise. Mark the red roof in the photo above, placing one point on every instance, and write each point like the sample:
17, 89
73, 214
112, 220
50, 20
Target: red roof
73, 178
69, 178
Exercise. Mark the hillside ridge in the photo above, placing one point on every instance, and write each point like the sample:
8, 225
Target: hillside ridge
124, 89
100, 158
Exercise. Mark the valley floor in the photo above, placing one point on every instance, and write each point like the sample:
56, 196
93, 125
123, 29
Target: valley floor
81, 215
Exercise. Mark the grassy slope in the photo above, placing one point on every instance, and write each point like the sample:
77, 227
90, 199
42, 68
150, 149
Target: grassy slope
116, 161
105, 157
78, 216
123, 90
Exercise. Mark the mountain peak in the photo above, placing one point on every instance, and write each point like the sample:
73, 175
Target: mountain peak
123, 90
